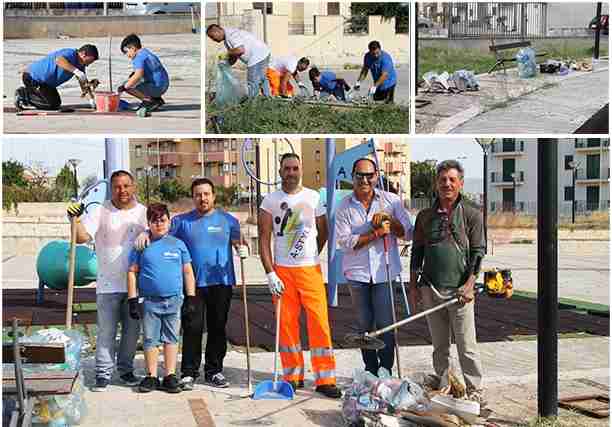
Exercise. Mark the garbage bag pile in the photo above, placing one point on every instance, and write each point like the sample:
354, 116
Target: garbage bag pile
459, 81
59, 410
526, 62
382, 394
228, 88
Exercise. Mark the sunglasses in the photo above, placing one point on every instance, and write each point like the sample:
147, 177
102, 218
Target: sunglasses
360, 175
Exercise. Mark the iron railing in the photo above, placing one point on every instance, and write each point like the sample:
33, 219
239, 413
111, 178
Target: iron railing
508, 145
499, 177
591, 143
301, 29
594, 173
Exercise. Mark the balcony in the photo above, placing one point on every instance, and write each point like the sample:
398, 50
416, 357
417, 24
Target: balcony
213, 156
393, 167
392, 148
505, 180
508, 148
170, 159
591, 145
589, 176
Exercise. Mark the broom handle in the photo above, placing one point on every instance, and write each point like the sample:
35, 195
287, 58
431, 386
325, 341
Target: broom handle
277, 339
246, 325
110, 65
392, 296
71, 268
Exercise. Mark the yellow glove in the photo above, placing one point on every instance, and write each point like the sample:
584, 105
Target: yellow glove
223, 56
379, 218
75, 210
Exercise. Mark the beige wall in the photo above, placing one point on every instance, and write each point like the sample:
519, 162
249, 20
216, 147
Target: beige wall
328, 47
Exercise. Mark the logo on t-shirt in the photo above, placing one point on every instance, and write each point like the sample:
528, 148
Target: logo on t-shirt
295, 225
172, 255
214, 229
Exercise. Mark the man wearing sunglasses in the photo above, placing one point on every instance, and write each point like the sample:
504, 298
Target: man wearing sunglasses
447, 251
363, 220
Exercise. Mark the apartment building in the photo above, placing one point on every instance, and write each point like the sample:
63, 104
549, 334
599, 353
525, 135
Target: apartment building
583, 171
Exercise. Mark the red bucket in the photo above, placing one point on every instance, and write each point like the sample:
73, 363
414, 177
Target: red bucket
107, 102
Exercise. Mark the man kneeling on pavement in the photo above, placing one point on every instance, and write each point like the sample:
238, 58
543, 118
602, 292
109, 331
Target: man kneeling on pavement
447, 252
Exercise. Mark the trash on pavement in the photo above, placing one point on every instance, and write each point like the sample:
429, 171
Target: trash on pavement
459, 81
526, 61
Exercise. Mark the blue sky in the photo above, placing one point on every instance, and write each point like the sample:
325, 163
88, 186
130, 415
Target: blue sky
447, 148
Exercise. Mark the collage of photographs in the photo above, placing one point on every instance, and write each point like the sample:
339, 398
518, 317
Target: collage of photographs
305, 213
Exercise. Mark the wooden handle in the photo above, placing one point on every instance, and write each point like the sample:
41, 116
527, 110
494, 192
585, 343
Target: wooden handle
71, 268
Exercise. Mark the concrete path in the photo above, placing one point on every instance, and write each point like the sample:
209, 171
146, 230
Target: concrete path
180, 54
511, 389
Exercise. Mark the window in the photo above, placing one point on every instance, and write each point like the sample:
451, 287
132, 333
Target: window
569, 194
139, 173
318, 155
592, 166
318, 176
568, 159
333, 8
260, 6
226, 144
138, 151
234, 168
226, 167
233, 144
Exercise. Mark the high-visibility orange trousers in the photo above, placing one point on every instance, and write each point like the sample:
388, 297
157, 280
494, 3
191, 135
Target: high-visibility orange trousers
304, 287
274, 77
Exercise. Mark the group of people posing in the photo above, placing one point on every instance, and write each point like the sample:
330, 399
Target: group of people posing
147, 82
182, 268
271, 76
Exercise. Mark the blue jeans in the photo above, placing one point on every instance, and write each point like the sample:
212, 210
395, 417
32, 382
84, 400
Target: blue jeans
113, 309
372, 302
256, 78
161, 320
150, 90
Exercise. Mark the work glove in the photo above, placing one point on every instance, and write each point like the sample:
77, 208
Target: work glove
75, 209
189, 310
121, 89
142, 241
372, 91
379, 218
223, 56
80, 75
243, 251
301, 85
466, 293
133, 306
357, 86
316, 94
275, 284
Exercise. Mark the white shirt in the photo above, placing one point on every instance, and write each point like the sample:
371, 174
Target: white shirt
294, 226
114, 232
255, 50
284, 64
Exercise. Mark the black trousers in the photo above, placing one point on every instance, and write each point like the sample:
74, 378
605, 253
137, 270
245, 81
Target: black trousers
385, 95
41, 95
213, 304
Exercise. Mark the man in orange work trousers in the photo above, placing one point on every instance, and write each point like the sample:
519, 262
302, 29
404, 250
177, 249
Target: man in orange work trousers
298, 222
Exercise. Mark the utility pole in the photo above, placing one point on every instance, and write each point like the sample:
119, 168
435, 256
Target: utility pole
257, 174
597, 31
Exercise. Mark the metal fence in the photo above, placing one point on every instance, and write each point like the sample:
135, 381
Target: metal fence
402, 25
565, 207
497, 20
62, 5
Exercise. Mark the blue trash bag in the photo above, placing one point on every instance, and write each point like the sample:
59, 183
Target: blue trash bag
229, 91
526, 60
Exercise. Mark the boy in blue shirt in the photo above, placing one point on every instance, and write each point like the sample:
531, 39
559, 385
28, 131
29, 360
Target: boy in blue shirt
149, 81
158, 274
327, 82
383, 71
42, 77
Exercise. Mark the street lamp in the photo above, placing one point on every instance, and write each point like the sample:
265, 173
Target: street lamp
574, 167
485, 144
514, 176
432, 165
148, 170
75, 163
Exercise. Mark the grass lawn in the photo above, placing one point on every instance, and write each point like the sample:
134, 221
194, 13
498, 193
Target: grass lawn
261, 115
449, 59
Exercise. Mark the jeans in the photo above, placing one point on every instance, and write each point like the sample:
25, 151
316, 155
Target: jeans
372, 302
213, 304
113, 309
161, 320
256, 77
150, 90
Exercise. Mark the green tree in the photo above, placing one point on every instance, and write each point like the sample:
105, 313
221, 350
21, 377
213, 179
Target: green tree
384, 9
64, 182
172, 190
89, 181
12, 173
422, 179
226, 196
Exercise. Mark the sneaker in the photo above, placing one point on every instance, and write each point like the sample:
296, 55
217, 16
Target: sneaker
477, 395
329, 390
217, 380
20, 99
101, 384
171, 384
148, 384
130, 379
187, 383
160, 100
297, 384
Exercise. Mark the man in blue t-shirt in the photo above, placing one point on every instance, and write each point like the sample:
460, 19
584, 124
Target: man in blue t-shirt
327, 82
209, 235
149, 80
383, 71
158, 275
42, 77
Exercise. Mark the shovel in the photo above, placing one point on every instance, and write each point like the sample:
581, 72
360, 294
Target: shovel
274, 390
246, 327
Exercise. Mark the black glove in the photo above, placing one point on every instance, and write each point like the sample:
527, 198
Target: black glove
75, 209
121, 89
133, 303
189, 310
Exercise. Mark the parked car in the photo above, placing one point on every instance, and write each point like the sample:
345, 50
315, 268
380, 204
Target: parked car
603, 24
157, 8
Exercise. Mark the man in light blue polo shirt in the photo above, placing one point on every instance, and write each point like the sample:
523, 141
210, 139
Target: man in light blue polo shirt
383, 71
43, 77
363, 220
149, 81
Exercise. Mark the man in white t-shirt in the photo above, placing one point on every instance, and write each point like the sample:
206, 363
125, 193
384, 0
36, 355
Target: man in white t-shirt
113, 227
296, 219
254, 53
280, 71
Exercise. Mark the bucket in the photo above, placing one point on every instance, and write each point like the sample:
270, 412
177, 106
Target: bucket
107, 102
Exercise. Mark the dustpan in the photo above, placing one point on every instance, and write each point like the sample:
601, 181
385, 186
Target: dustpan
274, 390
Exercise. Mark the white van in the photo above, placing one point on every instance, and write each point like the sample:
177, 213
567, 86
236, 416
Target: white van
157, 8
